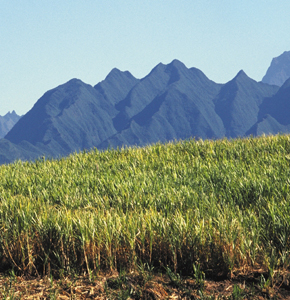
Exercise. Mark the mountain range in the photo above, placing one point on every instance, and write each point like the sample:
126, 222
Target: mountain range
7, 122
172, 102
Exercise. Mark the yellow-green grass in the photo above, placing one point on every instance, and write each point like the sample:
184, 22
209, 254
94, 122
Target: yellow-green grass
222, 205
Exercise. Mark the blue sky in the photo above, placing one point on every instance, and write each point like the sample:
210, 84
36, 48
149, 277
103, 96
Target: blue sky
46, 43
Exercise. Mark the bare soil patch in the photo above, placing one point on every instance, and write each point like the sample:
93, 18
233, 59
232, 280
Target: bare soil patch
114, 285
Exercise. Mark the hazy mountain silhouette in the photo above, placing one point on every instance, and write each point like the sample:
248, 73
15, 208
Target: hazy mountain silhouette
116, 85
7, 122
279, 70
238, 103
274, 113
71, 117
171, 102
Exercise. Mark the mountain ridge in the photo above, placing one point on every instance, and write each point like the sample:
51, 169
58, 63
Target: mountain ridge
279, 70
7, 122
172, 102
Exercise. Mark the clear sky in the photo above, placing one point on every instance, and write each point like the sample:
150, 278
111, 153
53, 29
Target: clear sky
44, 43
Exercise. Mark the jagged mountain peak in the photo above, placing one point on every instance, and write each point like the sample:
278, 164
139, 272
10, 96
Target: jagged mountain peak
238, 103
52, 102
241, 75
116, 74
173, 68
116, 85
278, 106
11, 114
114, 71
72, 82
230, 88
241, 80
7, 122
159, 68
64, 116
176, 69
177, 64
279, 70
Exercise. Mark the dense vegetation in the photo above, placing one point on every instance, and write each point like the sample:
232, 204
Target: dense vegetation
220, 207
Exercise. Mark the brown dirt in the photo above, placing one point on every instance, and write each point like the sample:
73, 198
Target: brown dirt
133, 286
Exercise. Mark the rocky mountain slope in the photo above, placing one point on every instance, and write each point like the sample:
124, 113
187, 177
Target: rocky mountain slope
171, 102
279, 70
7, 122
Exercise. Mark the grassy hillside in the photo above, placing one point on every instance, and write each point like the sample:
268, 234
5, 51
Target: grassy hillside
220, 207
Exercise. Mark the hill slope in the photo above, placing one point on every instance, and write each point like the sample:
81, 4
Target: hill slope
183, 205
